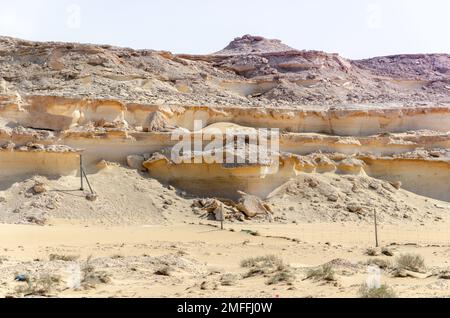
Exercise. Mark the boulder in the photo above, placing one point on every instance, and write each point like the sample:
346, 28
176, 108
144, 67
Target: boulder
396, 184
39, 188
251, 205
91, 197
354, 207
406, 273
136, 162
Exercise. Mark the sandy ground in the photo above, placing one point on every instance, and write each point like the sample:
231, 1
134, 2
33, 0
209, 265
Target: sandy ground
201, 257
143, 239
129, 197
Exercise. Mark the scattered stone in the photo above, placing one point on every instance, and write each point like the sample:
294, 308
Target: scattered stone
197, 211
22, 278
445, 274
332, 197
406, 273
34, 219
39, 188
251, 205
168, 202
34, 146
435, 154
396, 184
354, 207
312, 183
372, 251
9, 146
50, 206
208, 285
386, 251
91, 197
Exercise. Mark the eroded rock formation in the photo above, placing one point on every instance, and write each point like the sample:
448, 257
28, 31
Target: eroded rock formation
385, 119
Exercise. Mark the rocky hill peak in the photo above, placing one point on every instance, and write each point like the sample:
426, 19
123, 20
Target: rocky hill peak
248, 44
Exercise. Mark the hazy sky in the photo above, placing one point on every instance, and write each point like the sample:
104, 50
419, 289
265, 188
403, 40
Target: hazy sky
353, 28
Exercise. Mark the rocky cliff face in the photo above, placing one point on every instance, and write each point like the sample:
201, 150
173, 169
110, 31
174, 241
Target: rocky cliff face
383, 123
250, 71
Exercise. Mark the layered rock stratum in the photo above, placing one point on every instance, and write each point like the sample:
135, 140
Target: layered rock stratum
355, 135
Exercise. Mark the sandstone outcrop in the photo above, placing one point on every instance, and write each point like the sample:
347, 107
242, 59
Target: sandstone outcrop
385, 119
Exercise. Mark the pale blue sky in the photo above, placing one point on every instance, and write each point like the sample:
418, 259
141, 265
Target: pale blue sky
352, 28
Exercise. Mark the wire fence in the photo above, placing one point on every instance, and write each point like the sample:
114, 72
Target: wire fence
83, 177
355, 234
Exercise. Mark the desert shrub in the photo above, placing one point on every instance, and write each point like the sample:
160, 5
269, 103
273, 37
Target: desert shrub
372, 251
323, 273
270, 266
42, 285
283, 275
163, 271
92, 277
261, 265
61, 257
386, 251
256, 271
381, 263
262, 261
383, 291
411, 262
228, 279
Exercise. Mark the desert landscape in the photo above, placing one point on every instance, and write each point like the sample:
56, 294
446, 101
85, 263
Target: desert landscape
360, 141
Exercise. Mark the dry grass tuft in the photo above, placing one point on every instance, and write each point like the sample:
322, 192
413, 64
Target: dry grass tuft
228, 279
165, 270
91, 277
322, 273
62, 257
283, 275
269, 266
381, 263
411, 262
384, 291
262, 261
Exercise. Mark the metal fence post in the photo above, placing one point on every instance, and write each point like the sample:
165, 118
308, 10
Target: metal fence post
376, 227
81, 173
